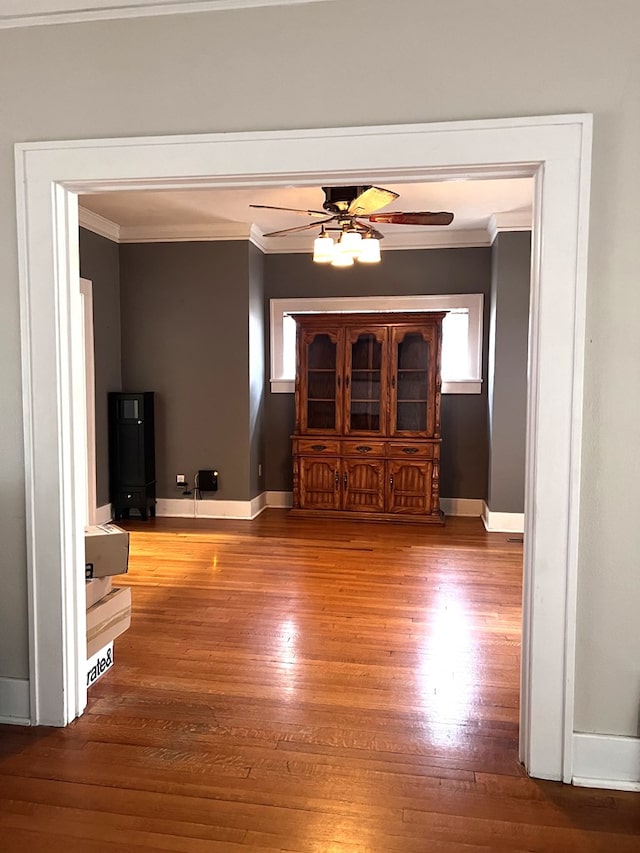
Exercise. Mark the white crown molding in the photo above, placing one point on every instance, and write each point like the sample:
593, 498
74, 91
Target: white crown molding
183, 233
455, 239
460, 239
29, 13
255, 237
98, 224
516, 220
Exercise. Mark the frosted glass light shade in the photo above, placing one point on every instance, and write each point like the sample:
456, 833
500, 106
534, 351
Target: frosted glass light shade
323, 250
369, 251
350, 242
342, 259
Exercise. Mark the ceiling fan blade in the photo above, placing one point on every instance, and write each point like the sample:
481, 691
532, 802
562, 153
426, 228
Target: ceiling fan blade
418, 218
373, 198
299, 228
290, 209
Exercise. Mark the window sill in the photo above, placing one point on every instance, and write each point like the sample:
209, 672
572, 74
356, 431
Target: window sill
467, 386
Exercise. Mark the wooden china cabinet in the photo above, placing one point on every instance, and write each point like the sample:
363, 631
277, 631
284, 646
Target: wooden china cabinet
367, 433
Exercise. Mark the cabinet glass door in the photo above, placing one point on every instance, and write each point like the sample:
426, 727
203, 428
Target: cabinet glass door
321, 363
365, 381
412, 364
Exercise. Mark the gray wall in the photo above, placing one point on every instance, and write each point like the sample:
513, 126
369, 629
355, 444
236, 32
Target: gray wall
463, 471
185, 336
508, 335
257, 69
100, 262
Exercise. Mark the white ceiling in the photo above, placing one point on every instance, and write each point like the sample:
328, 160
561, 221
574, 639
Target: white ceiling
480, 208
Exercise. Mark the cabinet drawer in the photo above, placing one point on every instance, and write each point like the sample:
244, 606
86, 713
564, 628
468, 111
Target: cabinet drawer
410, 451
316, 447
363, 448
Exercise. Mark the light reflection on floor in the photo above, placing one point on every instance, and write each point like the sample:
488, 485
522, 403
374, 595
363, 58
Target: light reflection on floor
287, 655
446, 660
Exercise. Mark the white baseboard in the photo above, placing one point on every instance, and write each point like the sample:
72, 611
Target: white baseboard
470, 507
282, 500
176, 508
502, 522
14, 701
104, 514
258, 504
190, 508
223, 509
606, 761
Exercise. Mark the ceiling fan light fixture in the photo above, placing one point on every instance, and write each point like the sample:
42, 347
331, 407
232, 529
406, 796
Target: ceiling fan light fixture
369, 251
352, 210
342, 259
323, 248
350, 242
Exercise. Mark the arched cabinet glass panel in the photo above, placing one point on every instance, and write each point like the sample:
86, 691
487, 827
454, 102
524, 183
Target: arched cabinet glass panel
365, 382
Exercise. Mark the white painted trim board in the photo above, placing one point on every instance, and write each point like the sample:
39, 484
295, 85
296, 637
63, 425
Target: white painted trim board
556, 150
502, 522
462, 507
104, 514
606, 761
86, 297
190, 508
199, 508
14, 701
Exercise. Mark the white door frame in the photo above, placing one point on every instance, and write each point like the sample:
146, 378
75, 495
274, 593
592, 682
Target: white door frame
556, 149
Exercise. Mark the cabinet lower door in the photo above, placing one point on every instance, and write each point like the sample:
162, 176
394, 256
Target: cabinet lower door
320, 485
409, 487
363, 485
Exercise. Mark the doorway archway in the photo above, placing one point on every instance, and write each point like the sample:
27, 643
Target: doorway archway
556, 150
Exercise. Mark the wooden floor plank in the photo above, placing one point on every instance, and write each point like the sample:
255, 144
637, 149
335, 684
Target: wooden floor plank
302, 685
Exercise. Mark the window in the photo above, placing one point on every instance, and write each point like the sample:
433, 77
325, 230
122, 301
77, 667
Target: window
461, 334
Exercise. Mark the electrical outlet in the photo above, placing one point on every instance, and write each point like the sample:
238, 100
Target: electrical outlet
180, 480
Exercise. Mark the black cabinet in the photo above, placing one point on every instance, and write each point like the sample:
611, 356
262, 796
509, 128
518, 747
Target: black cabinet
132, 464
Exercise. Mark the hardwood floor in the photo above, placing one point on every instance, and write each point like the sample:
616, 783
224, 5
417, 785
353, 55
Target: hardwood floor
304, 685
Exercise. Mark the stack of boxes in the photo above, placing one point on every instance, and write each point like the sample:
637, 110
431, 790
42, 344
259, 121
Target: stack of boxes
108, 607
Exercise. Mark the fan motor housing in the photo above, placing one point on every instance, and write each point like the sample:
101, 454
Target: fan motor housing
338, 199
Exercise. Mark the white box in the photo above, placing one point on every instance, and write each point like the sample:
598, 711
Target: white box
99, 663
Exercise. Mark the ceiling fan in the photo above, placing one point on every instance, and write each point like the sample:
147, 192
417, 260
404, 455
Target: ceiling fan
353, 209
